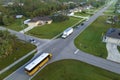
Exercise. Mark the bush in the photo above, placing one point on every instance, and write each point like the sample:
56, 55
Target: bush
7, 20
1, 22
7, 43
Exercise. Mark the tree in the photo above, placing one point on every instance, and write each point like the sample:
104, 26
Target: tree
1, 22
72, 6
7, 43
5, 20
59, 18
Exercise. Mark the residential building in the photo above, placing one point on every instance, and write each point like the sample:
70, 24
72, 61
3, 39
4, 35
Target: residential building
112, 36
40, 21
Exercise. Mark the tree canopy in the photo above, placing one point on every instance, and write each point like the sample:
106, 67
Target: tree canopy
33, 8
7, 43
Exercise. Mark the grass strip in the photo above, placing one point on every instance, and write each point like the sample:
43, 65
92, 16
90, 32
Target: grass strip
74, 70
11, 70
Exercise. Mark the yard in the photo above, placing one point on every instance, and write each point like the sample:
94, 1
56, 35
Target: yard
90, 40
74, 70
17, 25
23, 49
82, 14
53, 29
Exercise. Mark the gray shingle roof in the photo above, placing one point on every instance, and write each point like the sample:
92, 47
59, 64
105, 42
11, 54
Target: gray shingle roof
114, 33
40, 18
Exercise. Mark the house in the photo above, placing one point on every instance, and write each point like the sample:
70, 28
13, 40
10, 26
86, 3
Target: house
112, 36
88, 7
112, 19
79, 9
40, 21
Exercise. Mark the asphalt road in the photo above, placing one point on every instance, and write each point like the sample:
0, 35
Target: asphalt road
37, 42
65, 49
25, 37
71, 52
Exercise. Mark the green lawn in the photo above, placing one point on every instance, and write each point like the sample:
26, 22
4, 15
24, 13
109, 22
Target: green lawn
17, 25
74, 70
91, 11
51, 30
82, 14
11, 70
90, 40
22, 49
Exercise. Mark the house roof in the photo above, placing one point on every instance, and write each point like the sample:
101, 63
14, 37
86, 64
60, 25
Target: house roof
114, 33
40, 18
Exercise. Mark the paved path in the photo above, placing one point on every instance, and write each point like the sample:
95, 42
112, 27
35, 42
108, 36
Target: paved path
27, 29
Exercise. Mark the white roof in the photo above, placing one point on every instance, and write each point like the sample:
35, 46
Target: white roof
36, 61
68, 29
26, 21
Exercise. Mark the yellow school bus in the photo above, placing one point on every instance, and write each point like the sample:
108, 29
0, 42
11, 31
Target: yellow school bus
36, 64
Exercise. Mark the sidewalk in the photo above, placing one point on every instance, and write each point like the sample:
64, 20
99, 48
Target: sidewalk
27, 29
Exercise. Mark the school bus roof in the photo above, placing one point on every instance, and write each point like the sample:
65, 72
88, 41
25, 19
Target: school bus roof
31, 65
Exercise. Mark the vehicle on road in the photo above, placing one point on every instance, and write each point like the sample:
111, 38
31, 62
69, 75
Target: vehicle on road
36, 64
32, 40
82, 24
67, 32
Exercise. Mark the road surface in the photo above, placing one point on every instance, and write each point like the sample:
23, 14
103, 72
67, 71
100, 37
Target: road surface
65, 49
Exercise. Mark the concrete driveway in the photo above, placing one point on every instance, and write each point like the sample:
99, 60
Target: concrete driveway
113, 53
